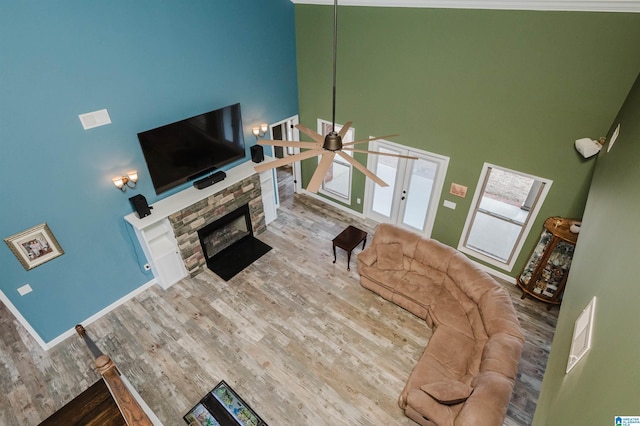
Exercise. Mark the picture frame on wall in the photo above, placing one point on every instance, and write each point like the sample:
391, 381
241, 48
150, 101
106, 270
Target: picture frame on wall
34, 246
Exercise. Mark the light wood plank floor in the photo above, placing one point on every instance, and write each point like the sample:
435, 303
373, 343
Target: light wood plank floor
294, 334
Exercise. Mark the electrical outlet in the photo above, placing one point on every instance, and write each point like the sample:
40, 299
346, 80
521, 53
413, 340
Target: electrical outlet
147, 267
25, 289
358, 200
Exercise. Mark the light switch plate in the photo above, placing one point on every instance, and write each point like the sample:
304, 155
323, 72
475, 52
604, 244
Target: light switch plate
449, 204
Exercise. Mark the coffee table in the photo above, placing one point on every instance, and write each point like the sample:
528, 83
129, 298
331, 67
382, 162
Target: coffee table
348, 240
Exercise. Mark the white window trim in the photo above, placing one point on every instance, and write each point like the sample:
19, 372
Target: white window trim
527, 228
331, 194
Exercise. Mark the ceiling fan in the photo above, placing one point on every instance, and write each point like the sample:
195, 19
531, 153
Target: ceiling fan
330, 145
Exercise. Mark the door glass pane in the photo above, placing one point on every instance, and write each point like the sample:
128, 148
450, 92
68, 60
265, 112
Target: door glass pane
421, 181
387, 170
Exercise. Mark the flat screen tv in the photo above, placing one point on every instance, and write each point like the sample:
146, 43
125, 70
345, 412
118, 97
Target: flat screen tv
188, 149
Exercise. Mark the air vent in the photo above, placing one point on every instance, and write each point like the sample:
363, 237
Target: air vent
582, 330
95, 119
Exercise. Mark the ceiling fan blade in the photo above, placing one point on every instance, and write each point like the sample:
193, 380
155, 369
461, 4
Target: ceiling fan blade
368, 173
381, 153
313, 135
369, 140
321, 171
293, 144
345, 129
287, 160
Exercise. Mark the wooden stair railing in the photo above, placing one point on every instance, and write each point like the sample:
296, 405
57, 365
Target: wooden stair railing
131, 410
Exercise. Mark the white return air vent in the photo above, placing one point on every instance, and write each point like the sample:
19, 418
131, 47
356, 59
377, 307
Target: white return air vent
95, 119
582, 330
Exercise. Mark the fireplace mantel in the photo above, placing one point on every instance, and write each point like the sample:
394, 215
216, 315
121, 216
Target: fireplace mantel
157, 234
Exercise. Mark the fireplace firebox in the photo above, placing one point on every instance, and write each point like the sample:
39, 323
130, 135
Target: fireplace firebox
228, 243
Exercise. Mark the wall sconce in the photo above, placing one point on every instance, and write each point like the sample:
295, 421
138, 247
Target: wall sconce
589, 147
122, 182
260, 131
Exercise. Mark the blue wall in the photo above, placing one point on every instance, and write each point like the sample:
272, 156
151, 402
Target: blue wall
147, 62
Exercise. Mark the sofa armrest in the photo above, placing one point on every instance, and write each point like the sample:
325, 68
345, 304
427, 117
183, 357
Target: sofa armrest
368, 256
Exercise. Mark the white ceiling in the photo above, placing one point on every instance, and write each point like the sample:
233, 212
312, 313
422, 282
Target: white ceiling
566, 5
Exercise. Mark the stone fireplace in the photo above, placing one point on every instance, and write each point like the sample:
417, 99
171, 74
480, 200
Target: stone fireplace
187, 222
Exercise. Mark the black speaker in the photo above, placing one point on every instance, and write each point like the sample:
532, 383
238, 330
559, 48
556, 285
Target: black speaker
140, 205
210, 180
257, 154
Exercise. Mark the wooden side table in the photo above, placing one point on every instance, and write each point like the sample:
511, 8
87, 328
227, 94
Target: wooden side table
348, 240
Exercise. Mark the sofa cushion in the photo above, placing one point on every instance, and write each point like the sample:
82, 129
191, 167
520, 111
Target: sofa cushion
386, 278
446, 310
368, 256
390, 256
434, 254
427, 271
447, 354
449, 392
388, 234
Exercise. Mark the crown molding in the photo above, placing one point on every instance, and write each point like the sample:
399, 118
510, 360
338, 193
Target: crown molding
632, 6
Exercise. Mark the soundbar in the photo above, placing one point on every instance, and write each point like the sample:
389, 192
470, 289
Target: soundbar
210, 180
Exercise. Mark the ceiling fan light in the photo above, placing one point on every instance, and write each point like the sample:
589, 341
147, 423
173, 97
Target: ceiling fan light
332, 142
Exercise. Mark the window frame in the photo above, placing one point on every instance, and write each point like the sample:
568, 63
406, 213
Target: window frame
526, 227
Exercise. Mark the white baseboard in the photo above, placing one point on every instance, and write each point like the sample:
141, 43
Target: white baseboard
22, 320
50, 344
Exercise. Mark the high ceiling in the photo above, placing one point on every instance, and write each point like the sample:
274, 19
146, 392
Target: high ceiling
567, 5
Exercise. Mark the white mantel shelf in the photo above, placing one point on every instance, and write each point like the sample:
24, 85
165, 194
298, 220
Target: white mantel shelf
178, 201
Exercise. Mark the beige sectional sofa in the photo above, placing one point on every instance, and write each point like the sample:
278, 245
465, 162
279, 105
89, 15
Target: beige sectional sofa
466, 373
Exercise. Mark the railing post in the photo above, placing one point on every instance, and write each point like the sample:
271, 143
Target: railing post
131, 410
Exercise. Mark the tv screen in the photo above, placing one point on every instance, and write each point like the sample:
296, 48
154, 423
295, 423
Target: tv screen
187, 149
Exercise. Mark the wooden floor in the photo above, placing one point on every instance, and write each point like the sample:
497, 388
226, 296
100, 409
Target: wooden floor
294, 334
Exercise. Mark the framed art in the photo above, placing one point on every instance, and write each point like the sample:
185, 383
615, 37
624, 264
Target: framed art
34, 246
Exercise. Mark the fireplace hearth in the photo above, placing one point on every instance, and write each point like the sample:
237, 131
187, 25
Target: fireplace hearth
228, 243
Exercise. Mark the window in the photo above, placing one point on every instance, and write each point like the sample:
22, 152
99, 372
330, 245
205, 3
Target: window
337, 181
505, 204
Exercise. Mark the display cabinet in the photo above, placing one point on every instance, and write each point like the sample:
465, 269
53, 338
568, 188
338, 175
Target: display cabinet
545, 274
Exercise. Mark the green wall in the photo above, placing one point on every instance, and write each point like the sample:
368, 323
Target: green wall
605, 383
512, 88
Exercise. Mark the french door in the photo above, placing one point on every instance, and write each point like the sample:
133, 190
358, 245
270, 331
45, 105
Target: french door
412, 197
